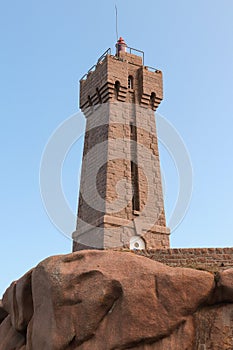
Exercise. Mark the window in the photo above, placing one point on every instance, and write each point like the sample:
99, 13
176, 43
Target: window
152, 99
99, 96
117, 88
134, 169
130, 82
89, 100
135, 187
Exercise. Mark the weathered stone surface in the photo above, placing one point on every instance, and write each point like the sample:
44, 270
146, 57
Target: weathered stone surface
3, 312
214, 328
75, 300
17, 301
10, 339
172, 294
181, 338
224, 287
92, 295
109, 300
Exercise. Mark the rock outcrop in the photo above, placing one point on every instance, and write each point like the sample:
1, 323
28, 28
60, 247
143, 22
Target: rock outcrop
110, 300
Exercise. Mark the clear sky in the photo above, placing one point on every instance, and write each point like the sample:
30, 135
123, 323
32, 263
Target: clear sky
46, 46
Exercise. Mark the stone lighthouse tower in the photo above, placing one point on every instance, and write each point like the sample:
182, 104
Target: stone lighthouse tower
121, 199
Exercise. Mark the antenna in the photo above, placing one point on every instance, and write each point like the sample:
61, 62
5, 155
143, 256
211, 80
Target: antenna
116, 22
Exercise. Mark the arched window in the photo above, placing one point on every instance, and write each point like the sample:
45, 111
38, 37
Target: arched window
117, 88
152, 99
89, 100
130, 82
99, 96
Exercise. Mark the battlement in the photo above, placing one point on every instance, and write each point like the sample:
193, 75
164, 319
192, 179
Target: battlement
212, 259
130, 54
110, 76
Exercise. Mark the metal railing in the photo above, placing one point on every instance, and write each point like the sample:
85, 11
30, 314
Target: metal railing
152, 69
131, 50
107, 52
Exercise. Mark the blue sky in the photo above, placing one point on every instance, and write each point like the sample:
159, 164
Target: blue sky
47, 46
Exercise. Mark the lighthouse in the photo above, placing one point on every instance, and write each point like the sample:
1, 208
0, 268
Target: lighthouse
121, 201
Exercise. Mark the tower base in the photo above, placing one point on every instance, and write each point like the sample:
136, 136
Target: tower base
114, 232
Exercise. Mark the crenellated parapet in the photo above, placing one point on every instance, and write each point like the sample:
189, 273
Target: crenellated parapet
109, 81
152, 87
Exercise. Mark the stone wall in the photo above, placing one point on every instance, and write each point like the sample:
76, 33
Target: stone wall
200, 258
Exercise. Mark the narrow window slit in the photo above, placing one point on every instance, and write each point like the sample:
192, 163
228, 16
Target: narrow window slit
130, 82
134, 169
117, 88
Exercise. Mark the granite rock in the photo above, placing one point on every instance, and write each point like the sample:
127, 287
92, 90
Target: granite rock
109, 300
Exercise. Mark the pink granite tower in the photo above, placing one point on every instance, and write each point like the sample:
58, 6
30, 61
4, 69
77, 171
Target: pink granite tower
121, 199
